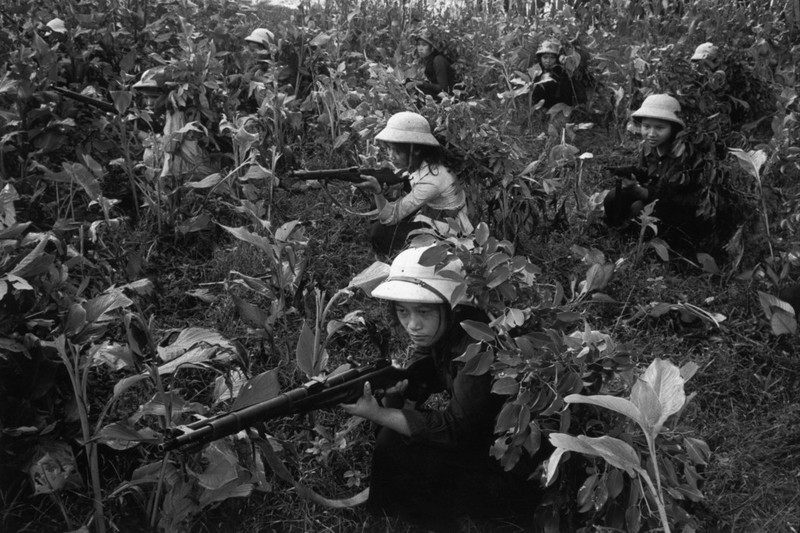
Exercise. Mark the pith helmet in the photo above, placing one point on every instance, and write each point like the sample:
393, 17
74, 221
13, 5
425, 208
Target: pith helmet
57, 25
407, 127
427, 36
660, 106
705, 51
152, 79
549, 47
411, 282
260, 36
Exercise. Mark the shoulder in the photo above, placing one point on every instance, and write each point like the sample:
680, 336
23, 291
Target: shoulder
440, 60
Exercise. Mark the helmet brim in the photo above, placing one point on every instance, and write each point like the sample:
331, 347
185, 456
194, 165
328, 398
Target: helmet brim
406, 137
405, 291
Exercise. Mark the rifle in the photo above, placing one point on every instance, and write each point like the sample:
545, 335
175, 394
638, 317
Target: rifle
344, 387
94, 102
351, 174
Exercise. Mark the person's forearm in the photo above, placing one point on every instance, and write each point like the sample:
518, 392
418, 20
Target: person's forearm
391, 418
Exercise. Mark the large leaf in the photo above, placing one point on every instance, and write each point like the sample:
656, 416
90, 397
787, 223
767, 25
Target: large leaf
478, 330
98, 308
120, 436
245, 235
35, 263
783, 323
667, 383
370, 277
751, 161
221, 466
616, 452
619, 405
53, 468
260, 388
191, 337
308, 360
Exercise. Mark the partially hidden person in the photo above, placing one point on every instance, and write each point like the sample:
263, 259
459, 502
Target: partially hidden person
553, 84
662, 173
439, 73
431, 466
435, 192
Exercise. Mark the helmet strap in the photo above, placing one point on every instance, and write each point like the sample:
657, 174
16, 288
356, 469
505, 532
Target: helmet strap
417, 281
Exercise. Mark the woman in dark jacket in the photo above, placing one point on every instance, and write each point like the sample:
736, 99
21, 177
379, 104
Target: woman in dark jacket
553, 84
432, 466
438, 70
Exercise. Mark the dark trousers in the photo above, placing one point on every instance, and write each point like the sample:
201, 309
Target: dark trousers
433, 487
387, 239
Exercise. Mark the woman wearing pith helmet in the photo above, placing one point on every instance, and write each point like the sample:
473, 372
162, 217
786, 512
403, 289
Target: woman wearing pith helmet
438, 69
432, 466
553, 85
435, 192
662, 173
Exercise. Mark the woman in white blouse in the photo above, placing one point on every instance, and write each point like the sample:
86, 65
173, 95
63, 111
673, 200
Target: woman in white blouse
436, 193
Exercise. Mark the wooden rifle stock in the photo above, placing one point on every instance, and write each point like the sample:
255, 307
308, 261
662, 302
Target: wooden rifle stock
350, 174
344, 387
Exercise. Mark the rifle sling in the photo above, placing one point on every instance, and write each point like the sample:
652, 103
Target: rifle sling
280, 469
370, 214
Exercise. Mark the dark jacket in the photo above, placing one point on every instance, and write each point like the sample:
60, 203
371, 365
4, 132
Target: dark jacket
444, 470
440, 74
554, 87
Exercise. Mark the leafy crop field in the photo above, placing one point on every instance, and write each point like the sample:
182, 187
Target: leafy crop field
159, 264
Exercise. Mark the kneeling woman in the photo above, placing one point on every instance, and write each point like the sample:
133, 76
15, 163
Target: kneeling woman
435, 192
432, 466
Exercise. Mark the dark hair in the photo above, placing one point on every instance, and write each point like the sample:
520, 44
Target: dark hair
433, 155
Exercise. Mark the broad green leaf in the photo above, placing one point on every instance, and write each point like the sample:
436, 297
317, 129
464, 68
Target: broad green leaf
125, 383
250, 313
368, 279
551, 467
260, 388
708, 263
481, 234
751, 161
290, 231
113, 355
35, 263
507, 386
698, 450
598, 276
667, 383
234, 489
221, 468
783, 323
76, 319
507, 419
616, 452
661, 248
206, 183
478, 366
228, 385
619, 405
243, 234
97, 308
120, 436
191, 337
645, 399
478, 330
305, 351
771, 303
197, 356
90, 184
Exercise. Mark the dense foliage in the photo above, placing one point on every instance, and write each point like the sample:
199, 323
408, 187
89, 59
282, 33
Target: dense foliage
157, 262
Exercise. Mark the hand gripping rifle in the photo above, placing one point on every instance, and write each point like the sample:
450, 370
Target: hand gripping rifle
351, 174
344, 387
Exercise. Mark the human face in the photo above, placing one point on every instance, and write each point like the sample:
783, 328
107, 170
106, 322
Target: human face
548, 60
422, 322
424, 48
656, 132
399, 154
